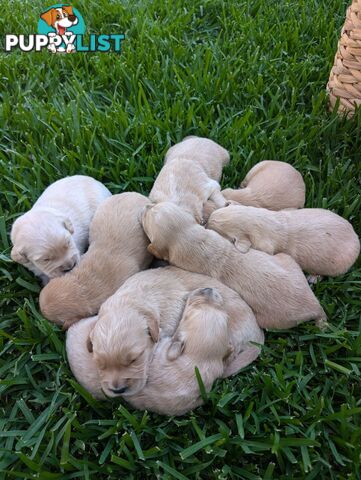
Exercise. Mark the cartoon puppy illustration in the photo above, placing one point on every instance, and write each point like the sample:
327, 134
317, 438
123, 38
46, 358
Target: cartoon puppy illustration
60, 19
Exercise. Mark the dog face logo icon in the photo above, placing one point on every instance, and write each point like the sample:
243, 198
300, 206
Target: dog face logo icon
60, 18
61, 22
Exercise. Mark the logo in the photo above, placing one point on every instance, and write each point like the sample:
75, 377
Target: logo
61, 29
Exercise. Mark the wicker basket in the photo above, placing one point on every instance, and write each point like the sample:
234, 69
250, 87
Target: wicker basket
345, 77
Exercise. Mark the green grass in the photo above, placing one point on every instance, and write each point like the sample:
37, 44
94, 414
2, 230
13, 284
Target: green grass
250, 75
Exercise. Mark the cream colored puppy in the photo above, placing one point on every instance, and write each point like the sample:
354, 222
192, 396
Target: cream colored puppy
203, 151
270, 184
320, 241
148, 307
202, 339
190, 176
50, 238
118, 250
186, 184
273, 286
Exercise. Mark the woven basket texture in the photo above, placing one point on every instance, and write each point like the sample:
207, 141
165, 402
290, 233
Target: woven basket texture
345, 77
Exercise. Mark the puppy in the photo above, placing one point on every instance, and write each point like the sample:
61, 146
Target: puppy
129, 326
201, 339
188, 176
320, 241
273, 286
269, 184
206, 153
118, 249
50, 238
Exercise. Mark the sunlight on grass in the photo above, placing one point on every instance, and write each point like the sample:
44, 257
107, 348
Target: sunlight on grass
251, 75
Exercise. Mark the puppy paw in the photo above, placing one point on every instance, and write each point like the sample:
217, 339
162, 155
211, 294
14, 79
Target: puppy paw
313, 279
322, 323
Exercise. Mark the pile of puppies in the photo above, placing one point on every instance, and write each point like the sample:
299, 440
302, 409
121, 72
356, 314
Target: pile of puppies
235, 267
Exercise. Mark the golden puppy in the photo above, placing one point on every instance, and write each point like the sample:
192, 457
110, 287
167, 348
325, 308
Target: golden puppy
202, 339
129, 326
50, 238
190, 176
202, 151
320, 241
269, 184
118, 249
273, 286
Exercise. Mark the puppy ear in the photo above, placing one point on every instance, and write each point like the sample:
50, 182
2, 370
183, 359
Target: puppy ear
229, 352
175, 349
68, 9
152, 250
18, 255
68, 225
153, 328
89, 341
47, 16
89, 345
242, 245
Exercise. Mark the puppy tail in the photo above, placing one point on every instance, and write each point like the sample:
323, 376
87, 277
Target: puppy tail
245, 357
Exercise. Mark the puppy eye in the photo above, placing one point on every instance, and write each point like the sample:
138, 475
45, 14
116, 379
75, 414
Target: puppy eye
58, 16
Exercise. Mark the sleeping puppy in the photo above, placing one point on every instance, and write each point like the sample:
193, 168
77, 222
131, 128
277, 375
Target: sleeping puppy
202, 339
118, 250
186, 184
321, 242
130, 325
190, 176
202, 151
50, 238
269, 184
273, 286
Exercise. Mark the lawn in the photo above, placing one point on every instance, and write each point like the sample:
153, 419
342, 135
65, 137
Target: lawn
251, 75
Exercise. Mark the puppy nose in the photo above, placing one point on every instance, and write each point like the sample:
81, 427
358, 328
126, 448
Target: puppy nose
119, 390
72, 18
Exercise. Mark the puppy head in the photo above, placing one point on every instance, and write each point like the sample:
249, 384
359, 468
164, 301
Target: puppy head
203, 329
122, 343
45, 240
162, 223
227, 222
